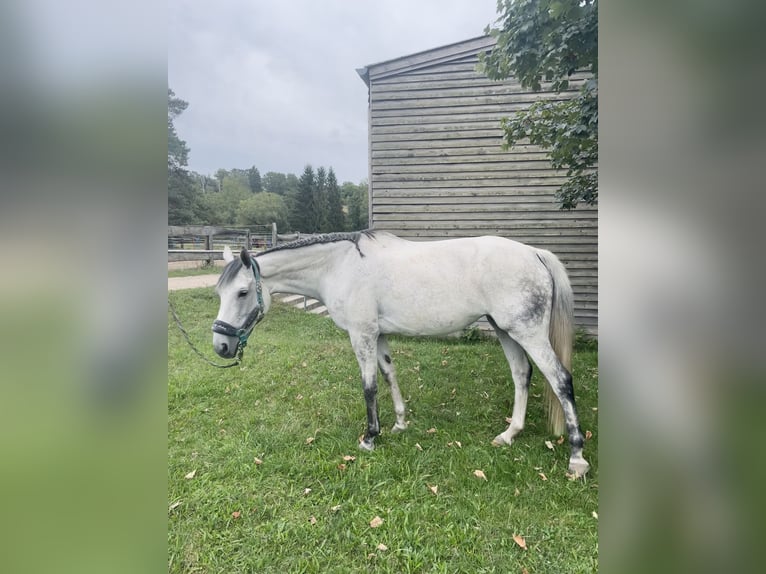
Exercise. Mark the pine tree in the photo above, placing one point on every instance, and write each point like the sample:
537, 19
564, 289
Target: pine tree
335, 219
300, 212
254, 179
319, 202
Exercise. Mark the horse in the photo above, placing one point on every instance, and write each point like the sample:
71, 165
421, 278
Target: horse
375, 284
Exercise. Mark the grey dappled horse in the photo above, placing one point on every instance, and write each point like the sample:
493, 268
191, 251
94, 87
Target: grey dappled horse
375, 284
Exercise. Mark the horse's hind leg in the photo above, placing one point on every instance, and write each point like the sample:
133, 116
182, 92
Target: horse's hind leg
521, 372
540, 351
386, 366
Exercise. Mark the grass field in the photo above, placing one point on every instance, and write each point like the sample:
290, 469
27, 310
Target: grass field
204, 270
264, 474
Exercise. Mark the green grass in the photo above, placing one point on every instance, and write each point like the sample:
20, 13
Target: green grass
299, 381
204, 270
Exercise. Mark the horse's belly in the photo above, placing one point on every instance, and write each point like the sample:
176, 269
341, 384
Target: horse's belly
415, 324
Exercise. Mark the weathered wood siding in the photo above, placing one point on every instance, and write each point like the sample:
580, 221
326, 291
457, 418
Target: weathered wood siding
437, 168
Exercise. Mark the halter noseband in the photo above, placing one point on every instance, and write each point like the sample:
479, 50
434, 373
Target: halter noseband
255, 316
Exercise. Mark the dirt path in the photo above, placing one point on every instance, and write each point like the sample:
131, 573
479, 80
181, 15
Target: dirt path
192, 281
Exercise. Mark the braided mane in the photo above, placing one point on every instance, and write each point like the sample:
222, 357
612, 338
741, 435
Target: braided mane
353, 237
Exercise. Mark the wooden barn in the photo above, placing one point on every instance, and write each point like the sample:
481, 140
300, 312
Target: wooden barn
438, 170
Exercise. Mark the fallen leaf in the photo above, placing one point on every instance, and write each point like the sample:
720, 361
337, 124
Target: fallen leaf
342, 466
304, 364
258, 460
236, 514
417, 446
309, 440
432, 430
191, 474
588, 435
518, 539
349, 458
298, 397
561, 440
382, 547
524, 570
549, 444
479, 474
306, 491
594, 514
177, 503
375, 522
516, 492
313, 520
434, 488
542, 475
335, 508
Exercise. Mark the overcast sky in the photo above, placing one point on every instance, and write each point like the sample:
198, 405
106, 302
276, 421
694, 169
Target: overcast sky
274, 83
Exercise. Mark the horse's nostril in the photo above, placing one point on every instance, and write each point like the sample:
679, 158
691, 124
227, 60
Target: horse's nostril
224, 348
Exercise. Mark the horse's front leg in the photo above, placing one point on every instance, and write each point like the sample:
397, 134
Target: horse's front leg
365, 346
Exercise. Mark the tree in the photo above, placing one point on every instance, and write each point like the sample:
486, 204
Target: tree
254, 179
183, 198
262, 209
222, 208
355, 197
548, 41
335, 219
300, 216
318, 209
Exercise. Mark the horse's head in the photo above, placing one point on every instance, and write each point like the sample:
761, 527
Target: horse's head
244, 302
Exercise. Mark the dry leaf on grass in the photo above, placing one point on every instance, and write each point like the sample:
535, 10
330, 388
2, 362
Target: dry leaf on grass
190, 475
236, 514
417, 446
549, 444
434, 488
309, 440
349, 458
560, 440
594, 514
375, 522
335, 508
342, 466
258, 460
432, 430
177, 503
588, 435
382, 547
518, 539
312, 520
542, 475
306, 491
516, 492
480, 474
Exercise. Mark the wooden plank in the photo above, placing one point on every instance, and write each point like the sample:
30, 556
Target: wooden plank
200, 230
464, 101
428, 194
454, 183
452, 144
506, 166
468, 90
430, 58
465, 72
503, 108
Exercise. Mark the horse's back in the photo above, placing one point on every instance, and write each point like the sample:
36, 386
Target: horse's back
438, 287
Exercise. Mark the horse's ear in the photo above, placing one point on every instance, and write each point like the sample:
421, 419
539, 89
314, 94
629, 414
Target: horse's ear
228, 256
244, 255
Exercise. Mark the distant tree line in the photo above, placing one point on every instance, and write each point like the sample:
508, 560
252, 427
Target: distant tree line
313, 203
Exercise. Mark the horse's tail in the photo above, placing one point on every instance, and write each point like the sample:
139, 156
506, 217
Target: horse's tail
561, 333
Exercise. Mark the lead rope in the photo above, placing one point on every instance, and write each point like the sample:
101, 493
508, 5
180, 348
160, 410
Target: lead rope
240, 349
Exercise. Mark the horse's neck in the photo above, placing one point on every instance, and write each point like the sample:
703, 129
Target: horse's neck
299, 270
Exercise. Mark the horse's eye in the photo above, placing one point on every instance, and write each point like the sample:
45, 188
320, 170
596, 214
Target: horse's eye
242, 294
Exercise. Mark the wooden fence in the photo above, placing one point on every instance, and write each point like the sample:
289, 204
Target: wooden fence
206, 242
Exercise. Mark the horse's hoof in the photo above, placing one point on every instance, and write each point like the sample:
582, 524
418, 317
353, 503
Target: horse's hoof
369, 446
397, 428
500, 440
578, 467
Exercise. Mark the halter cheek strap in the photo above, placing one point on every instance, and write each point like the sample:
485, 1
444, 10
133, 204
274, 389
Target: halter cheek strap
254, 317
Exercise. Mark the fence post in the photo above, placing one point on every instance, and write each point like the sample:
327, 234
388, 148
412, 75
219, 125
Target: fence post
209, 247
274, 234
